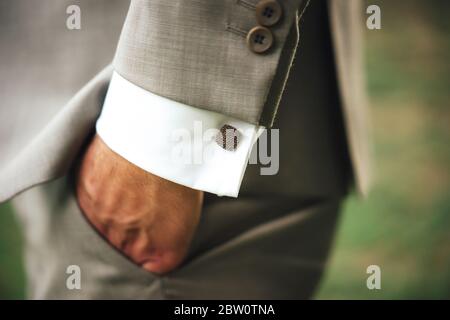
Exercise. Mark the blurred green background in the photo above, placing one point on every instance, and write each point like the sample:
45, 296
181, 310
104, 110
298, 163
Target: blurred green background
404, 225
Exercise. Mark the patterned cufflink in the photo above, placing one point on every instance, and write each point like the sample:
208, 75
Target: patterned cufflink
228, 137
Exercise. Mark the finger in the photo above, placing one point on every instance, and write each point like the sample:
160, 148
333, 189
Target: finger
154, 256
163, 262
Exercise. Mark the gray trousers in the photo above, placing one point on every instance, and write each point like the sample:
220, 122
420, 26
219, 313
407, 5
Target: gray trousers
246, 248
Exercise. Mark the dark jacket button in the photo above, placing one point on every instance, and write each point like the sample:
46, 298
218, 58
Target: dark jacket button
268, 12
259, 39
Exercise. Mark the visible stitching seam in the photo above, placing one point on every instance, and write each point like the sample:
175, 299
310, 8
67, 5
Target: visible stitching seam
304, 9
236, 30
246, 4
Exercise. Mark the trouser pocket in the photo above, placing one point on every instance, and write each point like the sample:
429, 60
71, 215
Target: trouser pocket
59, 237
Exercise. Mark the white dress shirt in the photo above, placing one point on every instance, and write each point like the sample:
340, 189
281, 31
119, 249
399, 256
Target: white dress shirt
172, 140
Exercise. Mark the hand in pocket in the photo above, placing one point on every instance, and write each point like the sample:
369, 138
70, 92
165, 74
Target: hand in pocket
149, 219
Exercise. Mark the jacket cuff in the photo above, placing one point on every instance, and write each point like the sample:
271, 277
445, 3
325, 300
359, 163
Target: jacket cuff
230, 57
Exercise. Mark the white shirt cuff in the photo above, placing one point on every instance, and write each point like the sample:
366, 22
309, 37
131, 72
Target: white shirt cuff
172, 140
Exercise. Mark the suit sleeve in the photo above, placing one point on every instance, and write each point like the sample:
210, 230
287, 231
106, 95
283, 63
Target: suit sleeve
227, 56
195, 83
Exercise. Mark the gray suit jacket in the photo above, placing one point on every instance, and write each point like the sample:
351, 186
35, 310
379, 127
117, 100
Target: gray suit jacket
192, 51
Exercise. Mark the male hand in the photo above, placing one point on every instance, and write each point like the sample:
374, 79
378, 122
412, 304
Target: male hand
149, 219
